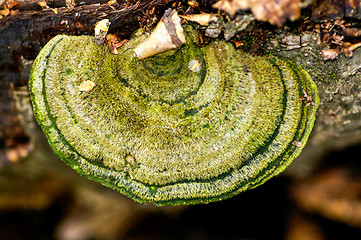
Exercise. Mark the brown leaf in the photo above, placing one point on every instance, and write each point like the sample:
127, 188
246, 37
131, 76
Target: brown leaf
43, 4
328, 54
352, 32
70, 3
114, 42
203, 19
274, 11
113, 3
232, 6
13, 12
10, 4
238, 43
5, 12
193, 3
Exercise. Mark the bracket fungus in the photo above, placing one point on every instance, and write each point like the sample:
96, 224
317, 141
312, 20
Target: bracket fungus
158, 131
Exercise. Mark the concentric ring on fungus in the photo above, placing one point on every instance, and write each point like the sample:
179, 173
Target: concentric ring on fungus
157, 131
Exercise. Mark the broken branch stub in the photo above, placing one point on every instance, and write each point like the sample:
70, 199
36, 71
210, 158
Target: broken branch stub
167, 35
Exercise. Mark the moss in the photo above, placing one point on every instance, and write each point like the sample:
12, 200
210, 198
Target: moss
195, 136
247, 41
332, 75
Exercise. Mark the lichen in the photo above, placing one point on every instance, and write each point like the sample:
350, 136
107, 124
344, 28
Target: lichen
156, 131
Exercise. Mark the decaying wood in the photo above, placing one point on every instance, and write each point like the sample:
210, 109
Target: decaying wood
26, 32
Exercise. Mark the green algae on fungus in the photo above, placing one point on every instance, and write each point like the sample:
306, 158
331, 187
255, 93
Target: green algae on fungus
157, 131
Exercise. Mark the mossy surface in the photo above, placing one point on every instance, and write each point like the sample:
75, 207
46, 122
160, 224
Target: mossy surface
158, 132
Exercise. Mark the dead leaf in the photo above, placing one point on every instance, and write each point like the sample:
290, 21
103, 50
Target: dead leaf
10, 4
232, 6
238, 43
193, 3
203, 19
328, 54
43, 4
274, 11
5, 12
70, 3
114, 42
13, 12
351, 32
112, 4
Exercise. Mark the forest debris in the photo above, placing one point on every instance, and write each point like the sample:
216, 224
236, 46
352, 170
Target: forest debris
307, 98
43, 5
328, 54
214, 22
347, 30
113, 4
349, 50
86, 86
131, 160
237, 43
8, 9
5, 12
231, 6
101, 30
114, 42
237, 25
274, 11
147, 21
351, 32
70, 3
203, 19
167, 35
194, 65
290, 41
297, 143
10, 4
215, 27
101, 26
336, 33
193, 3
